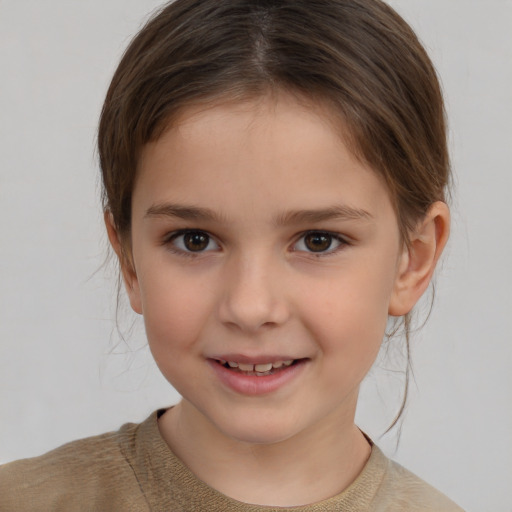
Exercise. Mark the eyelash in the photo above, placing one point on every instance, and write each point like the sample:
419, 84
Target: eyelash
334, 238
170, 242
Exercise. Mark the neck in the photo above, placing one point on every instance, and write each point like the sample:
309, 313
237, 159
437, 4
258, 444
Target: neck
314, 465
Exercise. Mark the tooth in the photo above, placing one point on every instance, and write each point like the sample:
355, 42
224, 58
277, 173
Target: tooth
246, 367
277, 364
232, 364
288, 363
221, 361
263, 367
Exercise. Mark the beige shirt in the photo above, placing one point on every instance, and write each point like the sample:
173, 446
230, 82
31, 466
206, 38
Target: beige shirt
133, 469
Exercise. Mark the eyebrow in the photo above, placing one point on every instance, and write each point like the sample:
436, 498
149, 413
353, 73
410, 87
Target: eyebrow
181, 212
189, 212
338, 212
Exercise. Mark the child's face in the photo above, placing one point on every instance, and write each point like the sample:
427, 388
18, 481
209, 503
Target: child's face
258, 238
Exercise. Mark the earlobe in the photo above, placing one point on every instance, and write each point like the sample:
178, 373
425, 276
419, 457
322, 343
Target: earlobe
418, 260
125, 262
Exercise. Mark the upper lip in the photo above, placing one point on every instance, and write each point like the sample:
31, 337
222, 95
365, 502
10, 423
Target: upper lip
253, 359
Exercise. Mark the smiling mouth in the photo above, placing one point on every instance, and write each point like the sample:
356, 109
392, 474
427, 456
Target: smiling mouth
258, 370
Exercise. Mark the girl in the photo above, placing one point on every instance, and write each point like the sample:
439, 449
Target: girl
274, 180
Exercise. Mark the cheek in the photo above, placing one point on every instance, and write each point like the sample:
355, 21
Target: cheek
349, 314
174, 311
350, 339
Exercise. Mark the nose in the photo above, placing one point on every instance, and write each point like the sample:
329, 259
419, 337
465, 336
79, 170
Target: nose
253, 296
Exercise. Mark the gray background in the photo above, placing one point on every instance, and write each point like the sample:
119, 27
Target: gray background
64, 373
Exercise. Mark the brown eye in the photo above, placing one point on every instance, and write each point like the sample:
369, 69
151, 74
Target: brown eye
321, 243
318, 242
189, 242
196, 241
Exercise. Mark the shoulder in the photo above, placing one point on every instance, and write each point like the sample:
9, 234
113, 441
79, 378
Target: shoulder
85, 475
403, 491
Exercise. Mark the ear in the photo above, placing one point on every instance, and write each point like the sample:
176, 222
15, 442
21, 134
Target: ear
125, 262
418, 260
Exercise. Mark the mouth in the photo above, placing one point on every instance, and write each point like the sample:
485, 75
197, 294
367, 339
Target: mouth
257, 376
260, 369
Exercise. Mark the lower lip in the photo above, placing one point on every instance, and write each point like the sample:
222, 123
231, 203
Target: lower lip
253, 385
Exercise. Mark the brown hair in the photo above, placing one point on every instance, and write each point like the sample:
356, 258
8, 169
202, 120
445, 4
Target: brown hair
359, 57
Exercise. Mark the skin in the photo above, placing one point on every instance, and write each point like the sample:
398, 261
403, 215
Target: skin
258, 289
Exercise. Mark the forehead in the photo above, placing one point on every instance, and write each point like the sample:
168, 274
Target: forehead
258, 106
264, 151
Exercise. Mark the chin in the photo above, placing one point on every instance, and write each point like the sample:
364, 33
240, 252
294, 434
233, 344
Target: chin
261, 431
